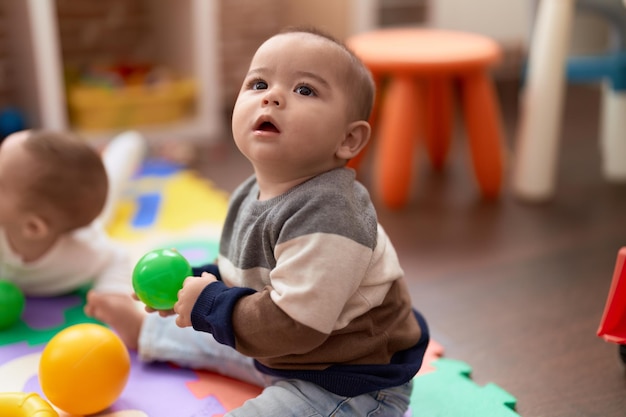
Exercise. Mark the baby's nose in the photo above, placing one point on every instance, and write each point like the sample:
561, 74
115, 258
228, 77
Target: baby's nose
271, 101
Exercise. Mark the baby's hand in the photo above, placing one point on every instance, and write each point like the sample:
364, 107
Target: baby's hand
162, 313
187, 296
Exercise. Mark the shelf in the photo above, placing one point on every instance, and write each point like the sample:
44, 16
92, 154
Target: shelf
183, 38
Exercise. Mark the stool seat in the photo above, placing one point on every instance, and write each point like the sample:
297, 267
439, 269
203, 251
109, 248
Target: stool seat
424, 50
420, 67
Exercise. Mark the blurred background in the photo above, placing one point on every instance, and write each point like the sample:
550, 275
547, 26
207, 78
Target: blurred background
103, 66
515, 290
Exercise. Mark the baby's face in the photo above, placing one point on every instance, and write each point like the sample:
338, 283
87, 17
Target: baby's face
15, 166
292, 111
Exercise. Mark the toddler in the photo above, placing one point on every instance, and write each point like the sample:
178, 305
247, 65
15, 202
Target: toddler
307, 297
53, 185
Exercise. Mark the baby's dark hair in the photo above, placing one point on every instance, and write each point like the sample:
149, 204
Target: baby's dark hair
359, 81
69, 180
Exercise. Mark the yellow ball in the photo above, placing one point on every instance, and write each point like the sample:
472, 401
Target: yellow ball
84, 369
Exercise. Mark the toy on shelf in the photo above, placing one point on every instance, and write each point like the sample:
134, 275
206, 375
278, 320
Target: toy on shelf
127, 95
158, 276
84, 368
613, 324
11, 303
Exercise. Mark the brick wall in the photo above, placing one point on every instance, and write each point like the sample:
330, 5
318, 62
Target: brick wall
102, 32
245, 24
6, 93
93, 31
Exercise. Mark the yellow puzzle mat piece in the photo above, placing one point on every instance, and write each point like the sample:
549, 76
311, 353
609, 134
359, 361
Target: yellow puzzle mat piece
167, 206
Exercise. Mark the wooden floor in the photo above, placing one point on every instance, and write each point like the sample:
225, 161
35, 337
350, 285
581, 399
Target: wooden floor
515, 290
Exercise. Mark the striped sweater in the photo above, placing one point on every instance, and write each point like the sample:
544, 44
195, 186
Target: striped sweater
311, 288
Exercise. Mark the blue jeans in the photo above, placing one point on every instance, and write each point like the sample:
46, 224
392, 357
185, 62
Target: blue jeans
162, 340
297, 398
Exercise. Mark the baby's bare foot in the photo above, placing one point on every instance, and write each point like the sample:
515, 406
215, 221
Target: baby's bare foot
120, 312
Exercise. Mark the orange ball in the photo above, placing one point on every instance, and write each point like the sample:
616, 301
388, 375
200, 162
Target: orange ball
84, 369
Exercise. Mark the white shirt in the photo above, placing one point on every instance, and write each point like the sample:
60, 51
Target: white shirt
84, 256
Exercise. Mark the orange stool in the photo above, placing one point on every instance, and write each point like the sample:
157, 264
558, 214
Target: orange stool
421, 66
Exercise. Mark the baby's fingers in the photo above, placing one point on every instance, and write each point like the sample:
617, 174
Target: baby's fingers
165, 313
181, 321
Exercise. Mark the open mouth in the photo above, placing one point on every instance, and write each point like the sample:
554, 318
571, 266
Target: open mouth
267, 126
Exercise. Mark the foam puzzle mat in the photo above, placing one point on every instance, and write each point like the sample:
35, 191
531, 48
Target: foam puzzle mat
166, 205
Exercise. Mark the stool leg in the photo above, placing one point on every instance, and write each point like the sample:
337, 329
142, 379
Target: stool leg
482, 121
534, 174
396, 142
438, 119
612, 134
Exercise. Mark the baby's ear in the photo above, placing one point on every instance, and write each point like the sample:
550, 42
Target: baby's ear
356, 137
35, 227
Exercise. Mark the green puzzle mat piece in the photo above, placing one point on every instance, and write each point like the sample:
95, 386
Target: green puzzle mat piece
21, 332
449, 392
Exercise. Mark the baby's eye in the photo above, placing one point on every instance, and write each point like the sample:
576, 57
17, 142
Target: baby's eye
304, 90
258, 85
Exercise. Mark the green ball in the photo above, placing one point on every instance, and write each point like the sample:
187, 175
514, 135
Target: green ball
12, 303
158, 276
